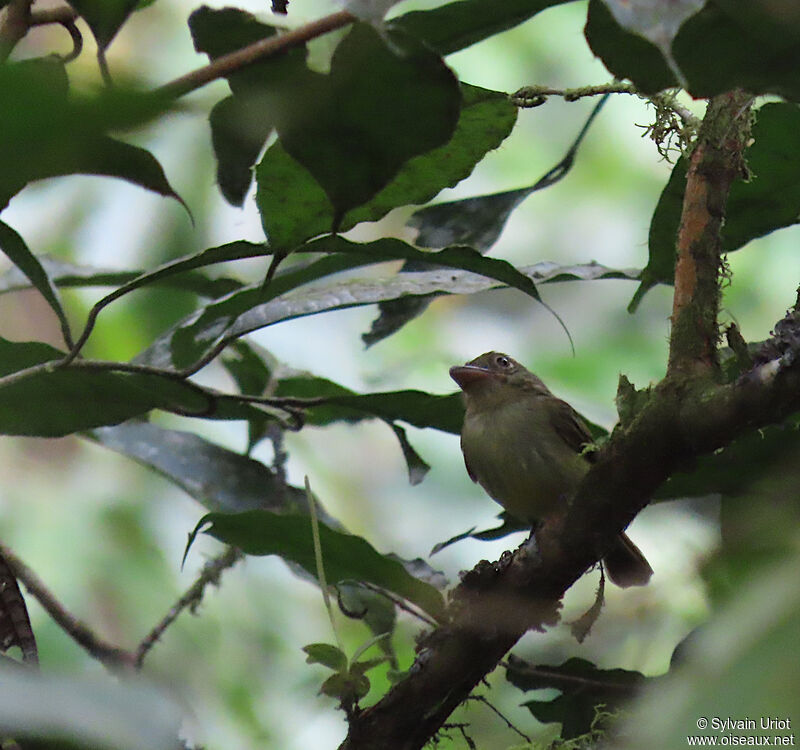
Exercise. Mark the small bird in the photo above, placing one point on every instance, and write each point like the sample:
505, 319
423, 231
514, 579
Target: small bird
525, 447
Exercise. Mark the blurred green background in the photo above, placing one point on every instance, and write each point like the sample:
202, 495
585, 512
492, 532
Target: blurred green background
107, 536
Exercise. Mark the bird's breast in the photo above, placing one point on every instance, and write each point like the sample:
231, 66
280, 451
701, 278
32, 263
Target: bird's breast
518, 458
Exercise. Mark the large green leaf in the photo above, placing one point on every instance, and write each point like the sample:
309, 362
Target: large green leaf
768, 200
218, 478
240, 124
294, 208
18, 253
384, 102
457, 25
344, 556
211, 328
754, 46
253, 308
48, 133
55, 402
445, 412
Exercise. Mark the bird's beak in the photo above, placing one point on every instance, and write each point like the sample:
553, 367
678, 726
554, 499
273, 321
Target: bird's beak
466, 375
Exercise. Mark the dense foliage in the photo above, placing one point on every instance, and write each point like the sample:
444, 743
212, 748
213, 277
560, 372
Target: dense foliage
384, 123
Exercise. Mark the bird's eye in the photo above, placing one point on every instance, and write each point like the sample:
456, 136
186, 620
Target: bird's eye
502, 361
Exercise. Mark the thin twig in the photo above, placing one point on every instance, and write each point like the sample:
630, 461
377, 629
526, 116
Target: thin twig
210, 573
535, 96
110, 655
483, 699
267, 47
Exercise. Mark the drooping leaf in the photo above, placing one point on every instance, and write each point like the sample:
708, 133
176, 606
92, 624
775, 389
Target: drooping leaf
18, 253
476, 222
104, 17
52, 710
768, 200
457, 25
49, 133
417, 467
294, 208
246, 311
219, 479
237, 134
240, 124
583, 687
55, 402
345, 556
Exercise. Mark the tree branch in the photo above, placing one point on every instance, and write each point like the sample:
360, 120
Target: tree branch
210, 573
497, 603
109, 654
267, 47
715, 163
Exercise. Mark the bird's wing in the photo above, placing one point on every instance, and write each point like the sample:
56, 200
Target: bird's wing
569, 425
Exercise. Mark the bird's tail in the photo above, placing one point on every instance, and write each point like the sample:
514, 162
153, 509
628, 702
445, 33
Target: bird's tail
626, 565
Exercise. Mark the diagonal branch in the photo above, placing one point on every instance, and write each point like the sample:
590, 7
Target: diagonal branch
263, 48
497, 603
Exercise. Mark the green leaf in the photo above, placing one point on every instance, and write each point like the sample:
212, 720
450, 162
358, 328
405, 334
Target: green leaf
417, 467
250, 309
346, 687
240, 124
583, 687
294, 208
218, 478
104, 17
345, 556
755, 46
51, 134
87, 712
326, 654
237, 134
65, 274
384, 101
624, 53
18, 253
768, 200
56, 402
420, 409
457, 25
